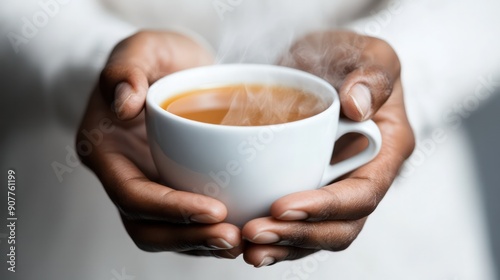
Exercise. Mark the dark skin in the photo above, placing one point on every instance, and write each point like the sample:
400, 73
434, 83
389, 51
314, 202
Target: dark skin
159, 218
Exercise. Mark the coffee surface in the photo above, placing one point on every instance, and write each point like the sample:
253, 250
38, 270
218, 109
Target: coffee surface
245, 105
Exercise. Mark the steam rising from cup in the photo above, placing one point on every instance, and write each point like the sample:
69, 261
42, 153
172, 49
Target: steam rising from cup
253, 105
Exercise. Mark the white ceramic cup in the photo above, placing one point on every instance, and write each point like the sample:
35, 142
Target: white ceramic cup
249, 167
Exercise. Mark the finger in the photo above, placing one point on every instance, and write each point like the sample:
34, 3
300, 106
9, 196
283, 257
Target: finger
140, 60
218, 253
329, 55
139, 198
327, 235
363, 69
360, 192
134, 193
266, 255
155, 237
352, 198
368, 86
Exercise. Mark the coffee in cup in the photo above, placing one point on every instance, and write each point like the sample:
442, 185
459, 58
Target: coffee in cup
245, 105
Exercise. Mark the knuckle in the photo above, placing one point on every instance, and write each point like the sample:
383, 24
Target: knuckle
174, 209
130, 201
376, 77
344, 244
329, 206
145, 39
345, 237
332, 205
142, 36
390, 52
410, 142
380, 79
125, 198
371, 199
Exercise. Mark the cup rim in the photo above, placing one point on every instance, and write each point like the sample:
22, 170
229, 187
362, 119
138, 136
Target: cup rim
153, 105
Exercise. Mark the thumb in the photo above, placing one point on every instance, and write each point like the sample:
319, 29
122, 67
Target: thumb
125, 89
139, 61
364, 91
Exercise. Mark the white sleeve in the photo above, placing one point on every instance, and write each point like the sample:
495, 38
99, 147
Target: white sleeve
54, 35
63, 44
449, 50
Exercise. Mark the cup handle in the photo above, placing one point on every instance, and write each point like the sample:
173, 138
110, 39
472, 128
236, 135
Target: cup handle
368, 129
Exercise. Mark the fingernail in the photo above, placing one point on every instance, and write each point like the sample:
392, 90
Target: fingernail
266, 237
293, 215
219, 244
362, 99
123, 92
266, 262
204, 219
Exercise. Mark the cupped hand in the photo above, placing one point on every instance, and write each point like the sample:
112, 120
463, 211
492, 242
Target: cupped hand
156, 217
366, 73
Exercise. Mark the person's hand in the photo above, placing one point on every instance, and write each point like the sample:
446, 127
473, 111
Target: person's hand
156, 217
366, 73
